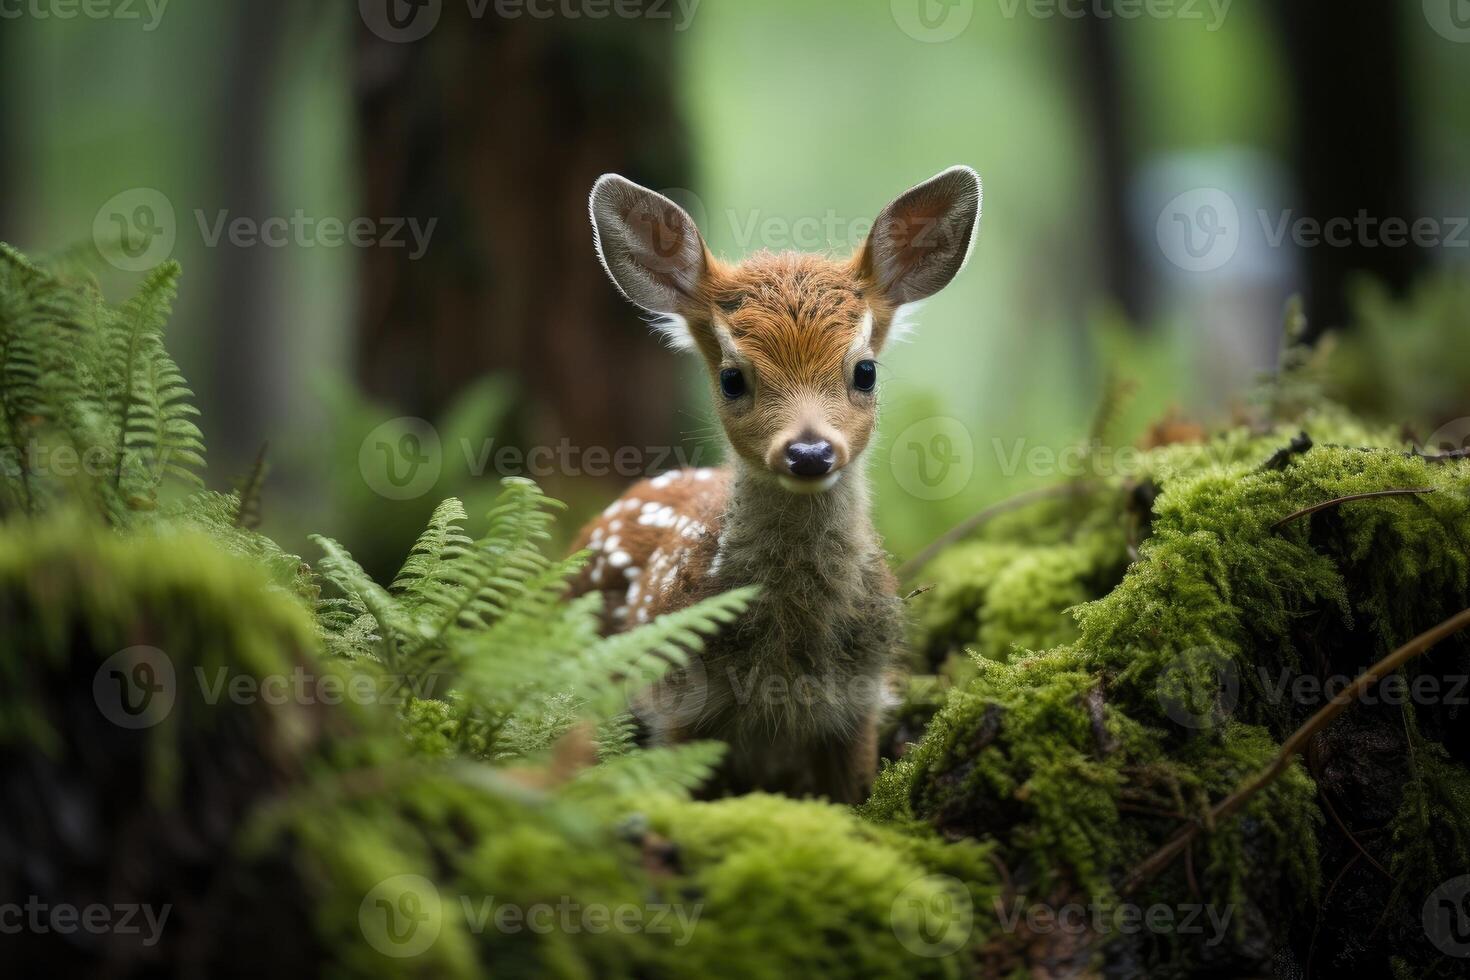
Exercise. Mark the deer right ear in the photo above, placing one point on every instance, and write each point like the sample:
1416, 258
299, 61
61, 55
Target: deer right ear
648, 244
922, 239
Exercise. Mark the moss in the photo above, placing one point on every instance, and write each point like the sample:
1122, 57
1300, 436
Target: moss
807, 888
1010, 587
1076, 759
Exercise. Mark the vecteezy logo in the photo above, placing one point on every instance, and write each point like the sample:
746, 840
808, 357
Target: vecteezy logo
400, 21
676, 699
135, 230
932, 21
1199, 688
1451, 437
1199, 230
934, 458
401, 458
1449, 18
135, 688
401, 917
933, 915
1446, 917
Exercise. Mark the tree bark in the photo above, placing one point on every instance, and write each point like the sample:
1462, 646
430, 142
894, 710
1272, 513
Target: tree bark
497, 129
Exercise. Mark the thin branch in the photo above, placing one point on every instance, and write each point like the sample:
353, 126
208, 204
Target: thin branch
1342, 500
1161, 858
968, 525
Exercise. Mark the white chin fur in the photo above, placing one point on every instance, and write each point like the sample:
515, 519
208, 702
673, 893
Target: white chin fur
808, 485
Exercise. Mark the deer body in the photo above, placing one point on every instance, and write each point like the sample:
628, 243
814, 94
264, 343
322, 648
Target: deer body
795, 686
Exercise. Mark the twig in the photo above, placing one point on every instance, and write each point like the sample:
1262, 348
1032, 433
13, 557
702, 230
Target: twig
969, 524
1342, 500
919, 591
1161, 858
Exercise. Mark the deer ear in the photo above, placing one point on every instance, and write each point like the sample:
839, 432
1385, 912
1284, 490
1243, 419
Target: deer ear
921, 240
648, 245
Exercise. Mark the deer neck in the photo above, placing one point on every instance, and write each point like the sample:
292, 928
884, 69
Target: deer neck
808, 550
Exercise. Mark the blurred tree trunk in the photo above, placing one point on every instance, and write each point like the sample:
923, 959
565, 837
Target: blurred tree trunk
1352, 143
497, 128
247, 340
1099, 79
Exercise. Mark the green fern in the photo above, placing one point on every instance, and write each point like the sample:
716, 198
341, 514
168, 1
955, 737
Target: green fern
491, 615
92, 385
500, 663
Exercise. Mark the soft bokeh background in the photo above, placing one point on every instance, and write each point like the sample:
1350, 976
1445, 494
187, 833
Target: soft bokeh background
776, 124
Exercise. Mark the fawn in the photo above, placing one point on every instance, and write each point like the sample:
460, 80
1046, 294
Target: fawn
795, 686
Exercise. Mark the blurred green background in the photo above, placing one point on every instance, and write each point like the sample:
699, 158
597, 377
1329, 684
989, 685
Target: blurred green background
776, 124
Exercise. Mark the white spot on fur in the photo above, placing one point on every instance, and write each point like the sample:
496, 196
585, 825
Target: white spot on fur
619, 558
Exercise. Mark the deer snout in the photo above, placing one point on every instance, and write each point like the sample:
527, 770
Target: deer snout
810, 458
808, 462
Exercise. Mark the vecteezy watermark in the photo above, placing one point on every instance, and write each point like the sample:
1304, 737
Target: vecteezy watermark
1453, 436
1450, 19
1201, 230
1446, 917
138, 228
676, 699
301, 230
1199, 687
1211, 13
64, 918
149, 12
139, 687
401, 459
933, 21
934, 458
406, 21
65, 460
933, 916
1395, 689
404, 457
1108, 918
135, 688
403, 916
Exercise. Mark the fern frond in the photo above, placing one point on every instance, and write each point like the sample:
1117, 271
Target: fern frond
442, 539
474, 585
342, 570
676, 770
150, 405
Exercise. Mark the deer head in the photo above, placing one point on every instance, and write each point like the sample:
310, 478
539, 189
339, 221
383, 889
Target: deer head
790, 340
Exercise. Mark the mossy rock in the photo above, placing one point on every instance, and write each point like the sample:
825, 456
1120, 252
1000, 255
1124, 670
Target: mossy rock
1079, 760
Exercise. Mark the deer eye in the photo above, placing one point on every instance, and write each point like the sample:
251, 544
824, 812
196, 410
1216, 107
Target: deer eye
732, 383
864, 375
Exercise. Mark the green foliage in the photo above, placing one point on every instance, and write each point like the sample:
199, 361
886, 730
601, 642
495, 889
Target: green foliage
484, 749
92, 408
1078, 755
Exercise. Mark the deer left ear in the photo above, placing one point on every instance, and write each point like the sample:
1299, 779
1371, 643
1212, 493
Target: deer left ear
921, 240
648, 244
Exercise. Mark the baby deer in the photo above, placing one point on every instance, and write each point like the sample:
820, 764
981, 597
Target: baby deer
794, 687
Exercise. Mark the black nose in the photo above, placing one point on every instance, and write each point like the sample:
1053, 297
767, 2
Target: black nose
810, 458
